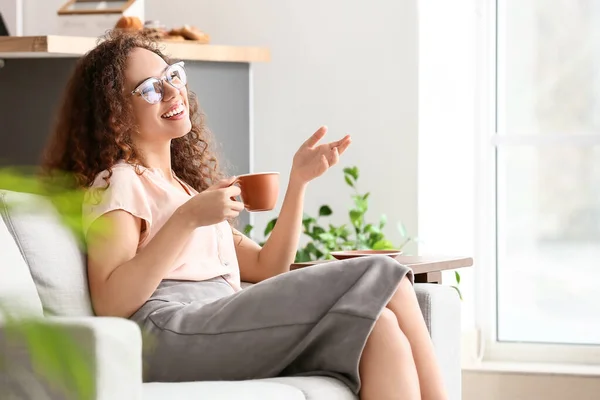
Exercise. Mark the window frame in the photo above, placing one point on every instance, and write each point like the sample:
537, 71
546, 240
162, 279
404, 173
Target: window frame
489, 83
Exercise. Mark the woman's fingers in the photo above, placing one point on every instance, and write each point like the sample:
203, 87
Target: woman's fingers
315, 137
342, 140
334, 157
236, 205
344, 143
232, 214
222, 183
232, 191
341, 144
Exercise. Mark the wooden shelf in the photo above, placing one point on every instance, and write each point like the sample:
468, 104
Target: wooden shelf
72, 46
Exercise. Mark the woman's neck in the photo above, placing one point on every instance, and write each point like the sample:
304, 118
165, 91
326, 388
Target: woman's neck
158, 157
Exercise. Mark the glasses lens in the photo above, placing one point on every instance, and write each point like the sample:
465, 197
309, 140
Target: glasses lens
176, 76
151, 91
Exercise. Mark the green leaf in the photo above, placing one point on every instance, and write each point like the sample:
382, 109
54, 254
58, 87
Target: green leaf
270, 226
316, 231
356, 218
374, 238
307, 221
348, 245
457, 291
326, 237
59, 188
457, 277
348, 181
248, 229
361, 242
352, 171
361, 204
343, 232
325, 211
370, 228
302, 256
383, 244
401, 229
331, 246
366, 196
306, 217
310, 248
317, 254
382, 221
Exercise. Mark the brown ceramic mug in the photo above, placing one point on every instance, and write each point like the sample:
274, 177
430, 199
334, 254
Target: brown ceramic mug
259, 191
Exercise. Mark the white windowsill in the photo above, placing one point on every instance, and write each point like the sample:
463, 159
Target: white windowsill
470, 362
532, 368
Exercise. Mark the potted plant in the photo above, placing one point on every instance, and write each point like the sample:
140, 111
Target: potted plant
357, 234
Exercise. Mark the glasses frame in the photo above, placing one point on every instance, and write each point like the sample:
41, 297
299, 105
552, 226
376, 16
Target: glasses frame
160, 81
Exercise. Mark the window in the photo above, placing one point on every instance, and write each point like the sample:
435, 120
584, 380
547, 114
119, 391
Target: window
542, 152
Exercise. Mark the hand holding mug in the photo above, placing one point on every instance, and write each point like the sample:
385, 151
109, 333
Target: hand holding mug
214, 205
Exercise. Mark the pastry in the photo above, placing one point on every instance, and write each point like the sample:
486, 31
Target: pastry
129, 23
175, 32
174, 37
154, 33
192, 33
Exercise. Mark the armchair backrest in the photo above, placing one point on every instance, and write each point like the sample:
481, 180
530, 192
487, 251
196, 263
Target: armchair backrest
56, 264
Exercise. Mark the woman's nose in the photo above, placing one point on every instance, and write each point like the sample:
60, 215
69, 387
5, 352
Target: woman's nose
169, 92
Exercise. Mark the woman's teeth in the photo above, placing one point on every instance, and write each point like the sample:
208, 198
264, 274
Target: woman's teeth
174, 112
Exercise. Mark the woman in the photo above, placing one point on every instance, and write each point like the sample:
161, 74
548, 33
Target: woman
134, 137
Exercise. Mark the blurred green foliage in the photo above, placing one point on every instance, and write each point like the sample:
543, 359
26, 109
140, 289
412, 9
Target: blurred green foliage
55, 356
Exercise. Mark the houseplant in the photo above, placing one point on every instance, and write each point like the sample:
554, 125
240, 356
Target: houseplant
358, 234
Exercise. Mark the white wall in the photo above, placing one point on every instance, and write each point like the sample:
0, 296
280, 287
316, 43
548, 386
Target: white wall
347, 64
40, 17
12, 14
446, 191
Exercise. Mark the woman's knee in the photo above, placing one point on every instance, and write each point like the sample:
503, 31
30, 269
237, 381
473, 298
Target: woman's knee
386, 320
406, 284
387, 332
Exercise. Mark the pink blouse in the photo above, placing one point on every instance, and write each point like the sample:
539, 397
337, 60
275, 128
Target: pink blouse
210, 250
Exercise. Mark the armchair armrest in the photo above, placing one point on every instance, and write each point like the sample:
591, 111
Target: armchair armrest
113, 344
441, 308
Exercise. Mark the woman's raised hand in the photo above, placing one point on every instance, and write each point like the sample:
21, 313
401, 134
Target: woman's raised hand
313, 159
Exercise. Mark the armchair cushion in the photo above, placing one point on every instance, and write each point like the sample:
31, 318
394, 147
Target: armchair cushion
222, 390
18, 293
55, 260
288, 388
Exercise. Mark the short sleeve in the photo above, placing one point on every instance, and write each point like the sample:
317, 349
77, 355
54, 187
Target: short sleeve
125, 192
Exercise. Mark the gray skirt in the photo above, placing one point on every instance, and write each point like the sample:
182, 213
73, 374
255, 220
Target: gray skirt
310, 321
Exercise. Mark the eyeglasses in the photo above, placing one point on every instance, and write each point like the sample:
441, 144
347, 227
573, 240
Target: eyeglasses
152, 89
